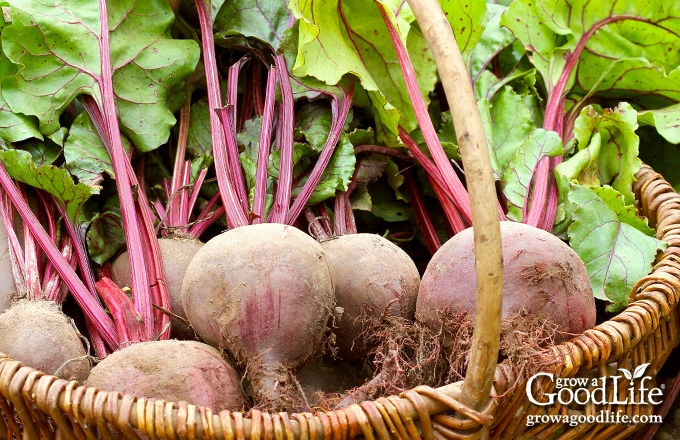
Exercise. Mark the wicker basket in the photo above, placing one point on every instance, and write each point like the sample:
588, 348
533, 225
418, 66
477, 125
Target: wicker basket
35, 405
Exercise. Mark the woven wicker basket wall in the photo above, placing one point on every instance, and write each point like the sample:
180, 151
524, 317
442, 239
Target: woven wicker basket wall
646, 332
35, 405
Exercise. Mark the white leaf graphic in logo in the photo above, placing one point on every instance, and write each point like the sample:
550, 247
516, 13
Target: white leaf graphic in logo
626, 373
640, 371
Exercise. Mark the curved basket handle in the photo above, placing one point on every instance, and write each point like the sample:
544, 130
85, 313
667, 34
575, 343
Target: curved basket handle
480, 184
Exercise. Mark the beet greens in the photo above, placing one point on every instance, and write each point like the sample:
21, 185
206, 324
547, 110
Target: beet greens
539, 76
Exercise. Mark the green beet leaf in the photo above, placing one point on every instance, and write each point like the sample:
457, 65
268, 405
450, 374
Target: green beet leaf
615, 253
47, 150
265, 21
199, 138
666, 120
85, 154
54, 180
611, 149
105, 237
350, 37
517, 174
313, 123
553, 30
492, 41
516, 144
467, 21
608, 155
57, 57
14, 127
616, 50
336, 176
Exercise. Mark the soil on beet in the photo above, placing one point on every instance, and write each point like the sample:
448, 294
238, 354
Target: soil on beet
382, 278
172, 370
545, 278
40, 336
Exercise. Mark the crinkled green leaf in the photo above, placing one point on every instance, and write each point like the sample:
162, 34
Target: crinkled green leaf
615, 253
518, 170
626, 213
105, 237
14, 127
510, 123
56, 51
314, 127
350, 37
85, 154
336, 176
56, 181
361, 136
308, 87
634, 80
360, 200
608, 148
47, 150
608, 155
515, 144
635, 59
199, 137
266, 21
493, 39
629, 45
665, 120
313, 121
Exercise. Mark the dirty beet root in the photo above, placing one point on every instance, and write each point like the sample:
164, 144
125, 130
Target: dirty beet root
381, 279
542, 278
174, 371
264, 293
38, 334
404, 354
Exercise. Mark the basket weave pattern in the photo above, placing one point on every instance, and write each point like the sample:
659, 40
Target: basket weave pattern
645, 332
35, 405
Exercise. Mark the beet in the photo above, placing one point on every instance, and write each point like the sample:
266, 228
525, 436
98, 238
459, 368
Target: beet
172, 370
176, 252
543, 278
38, 334
264, 292
373, 277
